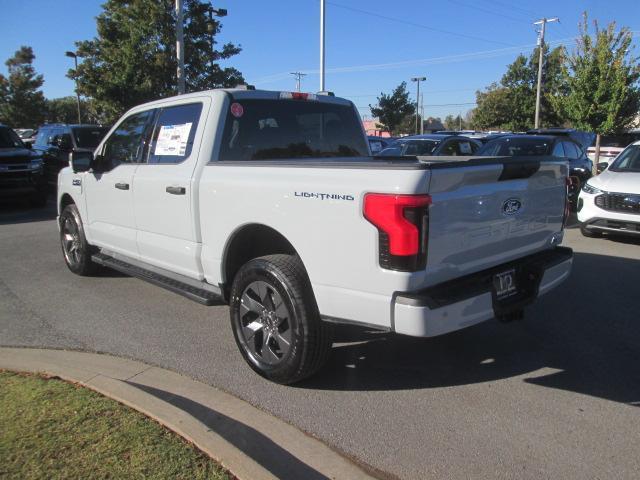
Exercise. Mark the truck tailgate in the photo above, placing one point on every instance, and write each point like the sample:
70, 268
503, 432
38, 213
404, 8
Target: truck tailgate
488, 211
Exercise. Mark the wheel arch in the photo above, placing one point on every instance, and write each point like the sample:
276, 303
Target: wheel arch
250, 241
65, 200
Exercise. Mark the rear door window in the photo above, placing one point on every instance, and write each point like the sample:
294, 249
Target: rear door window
558, 151
173, 136
570, 150
291, 129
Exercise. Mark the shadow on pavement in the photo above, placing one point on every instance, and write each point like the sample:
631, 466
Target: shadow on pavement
587, 331
13, 211
253, 443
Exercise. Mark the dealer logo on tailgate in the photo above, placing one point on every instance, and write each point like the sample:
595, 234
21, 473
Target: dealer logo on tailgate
511, 206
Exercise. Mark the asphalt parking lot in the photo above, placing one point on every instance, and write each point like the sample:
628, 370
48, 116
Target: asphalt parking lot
553, 396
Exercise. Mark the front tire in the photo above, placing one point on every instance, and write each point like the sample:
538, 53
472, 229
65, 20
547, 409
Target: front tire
275, 319
75, 248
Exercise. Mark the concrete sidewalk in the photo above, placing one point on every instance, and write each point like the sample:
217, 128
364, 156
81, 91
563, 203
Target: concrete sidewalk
250, 443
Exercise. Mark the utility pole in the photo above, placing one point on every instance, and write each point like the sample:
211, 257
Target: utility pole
422, 114
543, 22
75, 59
298, 76
180, 46
322, 45
418, 80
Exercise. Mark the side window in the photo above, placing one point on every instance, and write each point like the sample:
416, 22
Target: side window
558, 151
126, 145
571, 150
174, 132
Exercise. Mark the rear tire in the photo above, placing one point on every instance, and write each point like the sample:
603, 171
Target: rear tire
275, 319
589, 233
75, 248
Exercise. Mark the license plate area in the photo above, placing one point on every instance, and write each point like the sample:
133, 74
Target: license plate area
505, 284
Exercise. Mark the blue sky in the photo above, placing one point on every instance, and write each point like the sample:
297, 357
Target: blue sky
459, 45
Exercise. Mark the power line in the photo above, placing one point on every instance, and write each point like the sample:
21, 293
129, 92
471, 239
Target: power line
512, 7
418, 25
490, 12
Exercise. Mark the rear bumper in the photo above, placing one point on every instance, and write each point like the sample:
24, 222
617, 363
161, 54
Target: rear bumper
469, 300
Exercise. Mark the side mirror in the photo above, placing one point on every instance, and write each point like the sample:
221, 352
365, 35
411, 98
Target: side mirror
602, 166
80, 161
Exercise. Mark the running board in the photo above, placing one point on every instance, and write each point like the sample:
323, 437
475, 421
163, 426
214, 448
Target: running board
200, 295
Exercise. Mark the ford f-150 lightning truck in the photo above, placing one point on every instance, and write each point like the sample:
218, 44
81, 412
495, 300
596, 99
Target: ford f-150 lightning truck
272, 202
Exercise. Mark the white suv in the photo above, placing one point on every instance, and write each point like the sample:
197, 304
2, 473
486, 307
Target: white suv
610, 202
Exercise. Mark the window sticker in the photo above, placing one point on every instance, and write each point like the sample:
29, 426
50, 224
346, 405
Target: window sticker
172, 139
465, 148
237, 110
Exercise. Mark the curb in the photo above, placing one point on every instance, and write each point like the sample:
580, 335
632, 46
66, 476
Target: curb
248, 442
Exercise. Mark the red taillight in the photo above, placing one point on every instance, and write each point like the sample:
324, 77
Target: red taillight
402, 222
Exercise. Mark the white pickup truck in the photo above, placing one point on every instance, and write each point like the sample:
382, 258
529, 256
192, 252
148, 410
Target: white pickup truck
271, 202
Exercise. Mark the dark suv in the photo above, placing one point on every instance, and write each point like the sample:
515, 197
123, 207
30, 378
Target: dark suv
21, 172
55, 141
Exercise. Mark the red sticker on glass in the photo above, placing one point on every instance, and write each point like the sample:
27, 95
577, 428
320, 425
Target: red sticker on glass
237, 110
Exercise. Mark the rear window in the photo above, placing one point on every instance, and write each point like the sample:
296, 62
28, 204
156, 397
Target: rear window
88, 137
516, 146
290, 129
420, 147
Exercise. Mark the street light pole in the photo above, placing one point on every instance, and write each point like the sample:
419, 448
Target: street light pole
322, 10
180, 46
543, 22
418, 80
75, 60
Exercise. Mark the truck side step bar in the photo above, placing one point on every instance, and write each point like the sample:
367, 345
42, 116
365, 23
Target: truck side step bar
200, 295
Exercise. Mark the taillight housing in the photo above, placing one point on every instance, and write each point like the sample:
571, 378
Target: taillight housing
403, 227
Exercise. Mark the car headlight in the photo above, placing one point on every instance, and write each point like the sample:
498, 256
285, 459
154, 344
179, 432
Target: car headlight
590, 189
35, 164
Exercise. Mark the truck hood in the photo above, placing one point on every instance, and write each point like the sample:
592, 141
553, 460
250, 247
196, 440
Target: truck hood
623, 182
16, 155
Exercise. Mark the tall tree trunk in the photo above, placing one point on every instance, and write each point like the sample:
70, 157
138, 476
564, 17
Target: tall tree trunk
597, 155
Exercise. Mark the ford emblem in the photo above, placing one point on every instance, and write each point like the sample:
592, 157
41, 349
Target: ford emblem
511, 206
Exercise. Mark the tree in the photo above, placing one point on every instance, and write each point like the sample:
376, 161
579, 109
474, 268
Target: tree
454, 123
602, 77
65, 110
392, 109
511, 103
133, 58
22, 104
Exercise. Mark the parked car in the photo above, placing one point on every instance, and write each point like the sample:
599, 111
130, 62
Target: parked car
610, 202
580, 167
610, 147
377, 144
431, 145
271, 202
584, 139
55, 141
21, 172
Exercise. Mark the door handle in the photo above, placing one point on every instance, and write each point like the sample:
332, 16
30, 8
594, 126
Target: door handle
122, 186
176, 190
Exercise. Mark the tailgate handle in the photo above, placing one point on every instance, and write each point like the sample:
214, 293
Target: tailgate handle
516, 170
176, 190
122, 186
